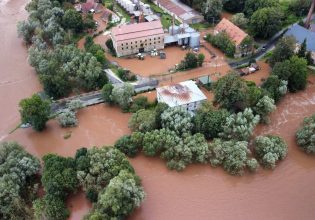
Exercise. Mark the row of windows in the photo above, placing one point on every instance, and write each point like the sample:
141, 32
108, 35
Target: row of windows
136, 46
158, 38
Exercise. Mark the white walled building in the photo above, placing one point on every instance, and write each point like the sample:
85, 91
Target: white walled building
185, 94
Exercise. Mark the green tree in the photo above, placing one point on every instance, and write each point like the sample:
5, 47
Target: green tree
35, 111
264, 107
253, 5
140, 102
233, 155
302, 51
201, 59
159, 109
240, 126
231, 92
209, 122
72, 20
120, 198
240, 20
294, 71
128, 145
18, 182
192, 149
284, 50
143, 121
305, 135
265, 22
270, 149
190, 61
100, 166
67, 118
233, 5
212, 9
107, 93
275, 87
178, 120
121, 95
223, 42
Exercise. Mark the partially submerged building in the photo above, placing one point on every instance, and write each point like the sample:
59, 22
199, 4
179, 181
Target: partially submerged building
183, 35
90, 6
236, 34
186, 95
138, 38
180, 11
300, 34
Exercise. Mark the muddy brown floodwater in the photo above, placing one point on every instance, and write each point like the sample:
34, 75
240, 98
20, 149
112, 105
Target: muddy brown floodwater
200, 192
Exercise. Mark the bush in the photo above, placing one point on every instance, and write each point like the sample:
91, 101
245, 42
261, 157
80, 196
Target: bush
125, 144
121, 95
233, 155
178, 120
67, 118
240, 126
284, 50
269, 149
110, 46
305, 136
191, 61
75, 105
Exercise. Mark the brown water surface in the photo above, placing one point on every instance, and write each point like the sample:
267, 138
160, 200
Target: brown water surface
17, 79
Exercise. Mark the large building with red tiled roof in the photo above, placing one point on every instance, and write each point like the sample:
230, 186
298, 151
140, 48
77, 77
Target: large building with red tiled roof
138, 38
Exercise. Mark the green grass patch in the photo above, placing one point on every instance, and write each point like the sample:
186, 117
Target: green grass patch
201, 26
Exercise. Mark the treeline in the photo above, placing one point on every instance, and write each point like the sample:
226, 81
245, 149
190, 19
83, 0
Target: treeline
62, 68
262, 18
104, 174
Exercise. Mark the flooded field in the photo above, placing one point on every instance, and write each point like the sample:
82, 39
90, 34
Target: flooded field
200, 192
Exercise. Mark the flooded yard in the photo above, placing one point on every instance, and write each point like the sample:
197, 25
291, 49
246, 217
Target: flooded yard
200, 192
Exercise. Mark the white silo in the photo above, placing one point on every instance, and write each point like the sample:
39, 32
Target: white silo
194, 40
173, 30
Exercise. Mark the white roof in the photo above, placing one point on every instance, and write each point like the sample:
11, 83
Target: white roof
180, 94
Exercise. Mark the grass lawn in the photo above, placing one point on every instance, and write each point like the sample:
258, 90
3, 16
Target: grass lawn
117, 8
201, 26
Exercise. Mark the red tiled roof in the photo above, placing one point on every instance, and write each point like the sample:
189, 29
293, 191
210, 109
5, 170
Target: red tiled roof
137, 30
172, 7
88, 5
235, 33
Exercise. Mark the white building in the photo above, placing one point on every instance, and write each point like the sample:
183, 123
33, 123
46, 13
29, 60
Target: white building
185, 94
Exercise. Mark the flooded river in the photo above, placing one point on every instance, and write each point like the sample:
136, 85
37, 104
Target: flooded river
200, 192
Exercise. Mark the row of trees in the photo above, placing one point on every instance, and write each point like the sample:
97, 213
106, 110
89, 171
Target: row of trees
104, 174
223, 42
61, 67
180, 138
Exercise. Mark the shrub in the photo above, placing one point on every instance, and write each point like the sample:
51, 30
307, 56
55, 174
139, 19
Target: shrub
121, 95
284, 50
240, 126
67, 118
269, 149
107, 93
233, 155
178, 120
305, 136
110, 46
